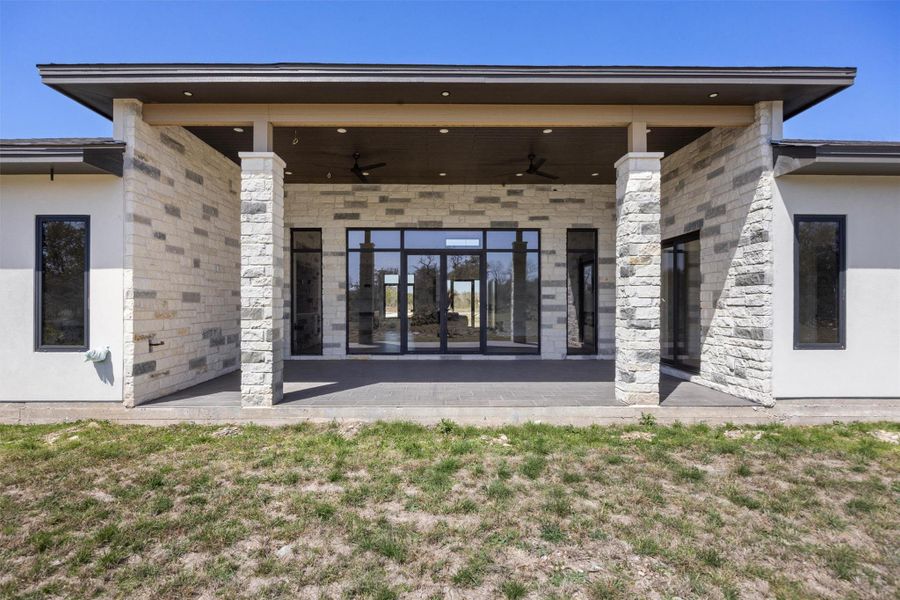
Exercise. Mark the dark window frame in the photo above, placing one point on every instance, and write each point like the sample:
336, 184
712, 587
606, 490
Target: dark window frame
39, 346
294, 311
404, 251
691, 236
841, 220
596, 350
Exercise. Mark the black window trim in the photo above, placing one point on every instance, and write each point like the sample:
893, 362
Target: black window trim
678, 240
39, 220
403, 251
841, 220
321, 254
592, 230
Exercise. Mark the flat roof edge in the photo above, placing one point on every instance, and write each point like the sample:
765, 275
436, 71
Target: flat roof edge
64, 155
836, 157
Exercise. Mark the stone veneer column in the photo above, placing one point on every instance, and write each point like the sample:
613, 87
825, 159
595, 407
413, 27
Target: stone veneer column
262, 276
638, 282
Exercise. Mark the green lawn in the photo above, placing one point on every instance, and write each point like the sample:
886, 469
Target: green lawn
404, 511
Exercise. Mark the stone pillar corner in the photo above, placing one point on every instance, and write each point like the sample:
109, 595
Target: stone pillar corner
262, 277
638, 283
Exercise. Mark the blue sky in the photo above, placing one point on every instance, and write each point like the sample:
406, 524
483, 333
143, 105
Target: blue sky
864, 35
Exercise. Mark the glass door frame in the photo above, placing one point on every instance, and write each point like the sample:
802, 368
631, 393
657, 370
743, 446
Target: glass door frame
680, 311
444, 299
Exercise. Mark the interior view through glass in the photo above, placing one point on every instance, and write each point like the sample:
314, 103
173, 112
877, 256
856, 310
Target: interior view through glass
306, 299
443, 291
680, 311
581, 297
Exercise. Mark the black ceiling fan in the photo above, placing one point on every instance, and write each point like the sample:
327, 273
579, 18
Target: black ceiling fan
362, 172
534, 168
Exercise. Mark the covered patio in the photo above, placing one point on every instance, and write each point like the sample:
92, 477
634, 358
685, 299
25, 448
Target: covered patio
274, 212
446, 383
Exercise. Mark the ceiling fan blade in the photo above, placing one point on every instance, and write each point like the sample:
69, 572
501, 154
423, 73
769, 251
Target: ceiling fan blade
359, 175
547, 175
375, 166
535, 167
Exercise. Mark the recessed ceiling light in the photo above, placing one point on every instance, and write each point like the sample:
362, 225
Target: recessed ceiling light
341, 130
649, 130
366, 173
442, 174
445, 93
239, 129
714, 95
548, 131
187, 93
594, 174
288, 172
518, 174
444, 130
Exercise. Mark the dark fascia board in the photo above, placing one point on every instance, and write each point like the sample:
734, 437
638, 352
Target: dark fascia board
62, 156
93, 85
836, 157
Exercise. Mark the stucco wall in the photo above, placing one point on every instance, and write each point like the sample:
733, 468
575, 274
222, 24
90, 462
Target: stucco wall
24, 373
182, 258
552, 209
869, 366
721, 185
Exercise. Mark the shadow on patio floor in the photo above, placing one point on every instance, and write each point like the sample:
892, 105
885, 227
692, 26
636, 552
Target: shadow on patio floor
446, 383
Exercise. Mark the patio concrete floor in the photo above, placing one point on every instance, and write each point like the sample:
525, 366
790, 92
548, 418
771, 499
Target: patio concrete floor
446, 383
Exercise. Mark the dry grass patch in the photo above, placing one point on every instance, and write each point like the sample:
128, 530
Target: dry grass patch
403, 511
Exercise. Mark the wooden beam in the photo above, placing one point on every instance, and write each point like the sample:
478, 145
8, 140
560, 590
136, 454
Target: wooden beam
637, 137
445, 115
263, 136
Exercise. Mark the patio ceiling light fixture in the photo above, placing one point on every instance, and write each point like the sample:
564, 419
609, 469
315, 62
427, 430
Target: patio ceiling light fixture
548, 130
445, 93
518, 174
288, 172
239, 129
187, 93
444, 130
594, 174
341, 130
442, 174
296, 140
714, 95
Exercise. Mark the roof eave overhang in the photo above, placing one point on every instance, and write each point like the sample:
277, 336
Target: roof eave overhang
836, 158
107, 158
63, 76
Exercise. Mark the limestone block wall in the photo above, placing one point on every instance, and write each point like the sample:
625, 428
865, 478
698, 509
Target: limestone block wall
552, 209
722, 185
182, 258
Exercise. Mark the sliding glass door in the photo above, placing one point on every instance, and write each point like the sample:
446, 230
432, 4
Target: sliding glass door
680, 338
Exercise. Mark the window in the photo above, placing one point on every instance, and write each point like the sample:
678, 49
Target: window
306, 296
819, 273
680, 337
61, 283
373, 283
581, 296
443, 291
513, 300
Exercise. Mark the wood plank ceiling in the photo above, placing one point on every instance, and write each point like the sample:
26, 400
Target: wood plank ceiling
465, 155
